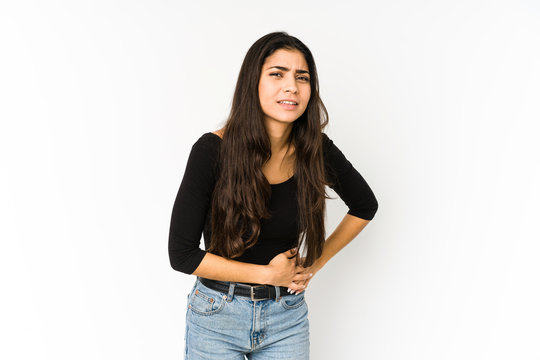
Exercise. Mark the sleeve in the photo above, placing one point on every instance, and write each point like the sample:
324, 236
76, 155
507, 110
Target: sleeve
191, 208
347, 182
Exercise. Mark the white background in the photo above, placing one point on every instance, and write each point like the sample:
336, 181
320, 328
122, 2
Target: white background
436, 104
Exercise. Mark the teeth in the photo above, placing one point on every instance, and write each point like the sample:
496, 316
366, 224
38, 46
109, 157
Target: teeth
287, 102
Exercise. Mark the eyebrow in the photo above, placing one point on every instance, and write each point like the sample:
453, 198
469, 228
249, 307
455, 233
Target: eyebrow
287, 69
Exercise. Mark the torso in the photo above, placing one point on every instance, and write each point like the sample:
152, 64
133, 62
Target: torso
278, 233
277, 169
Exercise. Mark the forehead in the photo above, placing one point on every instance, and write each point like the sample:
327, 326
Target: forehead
289, 58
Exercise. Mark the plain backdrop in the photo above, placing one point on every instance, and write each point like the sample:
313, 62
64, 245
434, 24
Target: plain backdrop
436, 104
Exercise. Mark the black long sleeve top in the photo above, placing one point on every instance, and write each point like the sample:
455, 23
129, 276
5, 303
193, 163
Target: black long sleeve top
191, 210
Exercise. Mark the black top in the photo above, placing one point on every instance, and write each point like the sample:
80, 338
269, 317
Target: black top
191, 210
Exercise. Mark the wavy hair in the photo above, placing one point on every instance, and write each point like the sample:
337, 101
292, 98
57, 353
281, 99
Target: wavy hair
242, 193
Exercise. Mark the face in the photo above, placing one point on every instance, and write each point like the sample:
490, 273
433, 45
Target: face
284, 76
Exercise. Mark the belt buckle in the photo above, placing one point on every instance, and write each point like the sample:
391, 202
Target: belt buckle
252, 293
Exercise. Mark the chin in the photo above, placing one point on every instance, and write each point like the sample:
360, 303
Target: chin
289, 118
288, 121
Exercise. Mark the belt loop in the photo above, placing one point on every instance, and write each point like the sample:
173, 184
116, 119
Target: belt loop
277, 293
231, 291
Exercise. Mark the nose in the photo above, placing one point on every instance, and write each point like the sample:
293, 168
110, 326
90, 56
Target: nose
290, 85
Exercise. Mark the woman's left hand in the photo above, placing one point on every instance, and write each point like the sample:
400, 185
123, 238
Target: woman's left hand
308, 270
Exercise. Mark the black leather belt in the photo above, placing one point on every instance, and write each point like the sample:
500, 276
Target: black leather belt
255, 292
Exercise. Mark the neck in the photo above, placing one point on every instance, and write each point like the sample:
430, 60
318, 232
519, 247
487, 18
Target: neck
278, 133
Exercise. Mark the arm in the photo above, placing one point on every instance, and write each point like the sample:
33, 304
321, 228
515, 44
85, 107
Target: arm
281, 271
219, 268
189, 213
357, 195
345, 232
191, 207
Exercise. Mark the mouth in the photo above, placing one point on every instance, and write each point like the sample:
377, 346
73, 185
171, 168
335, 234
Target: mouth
289, 102
288, 105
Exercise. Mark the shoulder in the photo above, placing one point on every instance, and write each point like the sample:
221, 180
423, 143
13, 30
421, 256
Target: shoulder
210, 138
326, 142
205, 152
208, 142
203, 160
335, 161
219, 133
328, 147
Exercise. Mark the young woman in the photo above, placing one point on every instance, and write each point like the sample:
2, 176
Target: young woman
256, 190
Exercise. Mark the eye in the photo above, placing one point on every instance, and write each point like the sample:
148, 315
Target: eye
303, 78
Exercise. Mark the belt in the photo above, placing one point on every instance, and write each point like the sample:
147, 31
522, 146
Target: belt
255, 292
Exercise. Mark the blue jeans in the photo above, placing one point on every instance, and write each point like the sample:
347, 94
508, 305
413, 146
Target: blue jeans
221, 325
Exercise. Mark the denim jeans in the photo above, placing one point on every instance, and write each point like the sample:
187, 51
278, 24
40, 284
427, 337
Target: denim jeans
221, 325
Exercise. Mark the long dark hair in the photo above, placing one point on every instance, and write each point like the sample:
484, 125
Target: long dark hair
242, 193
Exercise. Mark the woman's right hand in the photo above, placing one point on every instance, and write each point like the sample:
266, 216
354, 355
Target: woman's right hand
284, 271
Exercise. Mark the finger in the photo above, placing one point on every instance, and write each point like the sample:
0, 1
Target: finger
295, 292
302, 276
293, 287
304, 282
298, 290
291, 252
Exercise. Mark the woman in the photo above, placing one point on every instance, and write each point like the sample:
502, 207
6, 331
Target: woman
256, 190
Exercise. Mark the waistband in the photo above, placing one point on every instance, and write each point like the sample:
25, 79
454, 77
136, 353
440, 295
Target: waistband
255, 292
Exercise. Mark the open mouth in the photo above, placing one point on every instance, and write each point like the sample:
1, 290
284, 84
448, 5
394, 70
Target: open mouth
287, 102
288, 105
